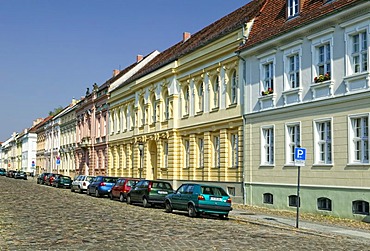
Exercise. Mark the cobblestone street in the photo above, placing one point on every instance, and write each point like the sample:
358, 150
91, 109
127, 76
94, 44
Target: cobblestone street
37, 217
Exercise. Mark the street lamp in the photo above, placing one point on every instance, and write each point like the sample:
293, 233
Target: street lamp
141, 149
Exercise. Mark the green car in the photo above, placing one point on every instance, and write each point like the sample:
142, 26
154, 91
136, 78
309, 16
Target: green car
149, 192
2, 172
199, 199
62, 181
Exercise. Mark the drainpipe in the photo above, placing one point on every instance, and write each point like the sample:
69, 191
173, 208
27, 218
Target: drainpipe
243, 171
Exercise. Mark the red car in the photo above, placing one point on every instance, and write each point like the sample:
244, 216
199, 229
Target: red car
122, 187
50, 178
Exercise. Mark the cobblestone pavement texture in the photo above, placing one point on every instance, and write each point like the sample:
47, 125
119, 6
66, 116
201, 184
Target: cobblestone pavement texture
37, 217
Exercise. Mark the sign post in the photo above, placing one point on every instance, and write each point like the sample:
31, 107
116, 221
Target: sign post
299, 160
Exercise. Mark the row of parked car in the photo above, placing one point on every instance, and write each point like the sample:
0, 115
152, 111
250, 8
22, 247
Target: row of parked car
13, 174
194, 198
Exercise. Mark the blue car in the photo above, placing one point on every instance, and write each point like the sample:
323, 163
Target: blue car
101, 185
2, 172
199, 199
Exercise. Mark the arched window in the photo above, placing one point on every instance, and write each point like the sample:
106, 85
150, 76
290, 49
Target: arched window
234, 88
186, 100
268, 198
360, 207
324, 204
166, 100
154, 108
216, 92
142, 109
293, 201
200, 97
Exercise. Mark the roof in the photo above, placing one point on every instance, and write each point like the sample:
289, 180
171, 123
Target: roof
272, 20
216, 30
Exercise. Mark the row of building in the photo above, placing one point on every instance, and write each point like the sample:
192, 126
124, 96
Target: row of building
228, 105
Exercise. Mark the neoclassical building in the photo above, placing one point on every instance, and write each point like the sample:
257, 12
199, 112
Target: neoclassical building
180, 117
307, 85
41, 163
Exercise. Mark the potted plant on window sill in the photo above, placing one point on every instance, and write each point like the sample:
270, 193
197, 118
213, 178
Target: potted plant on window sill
322, 78
267, 92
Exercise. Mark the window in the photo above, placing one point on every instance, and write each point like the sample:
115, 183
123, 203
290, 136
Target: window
154, 108
186, 101
324, 60
293, 140
360, 207
234, 150
201, 152
142, 108
166, 105
201, 97
359, 141
359, 52
217, 152
268, 198
293, 8
187, 153
268, 81
293, 201
323, 146
216, 92
293, 71
324, 204
234, 88
165, 154
268, 146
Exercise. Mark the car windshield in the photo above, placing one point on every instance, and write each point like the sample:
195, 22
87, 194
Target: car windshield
65, 178
217, 191
161, 185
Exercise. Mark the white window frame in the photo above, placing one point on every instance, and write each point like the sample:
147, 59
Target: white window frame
216, 151
234, 144
200, 92
165, 154
216, 92
186, 100
234, 88
323, 148
268, 76
352, 31
187, 153
293, 8
267, 145
291, 144
201, 152
358, 144
295, 53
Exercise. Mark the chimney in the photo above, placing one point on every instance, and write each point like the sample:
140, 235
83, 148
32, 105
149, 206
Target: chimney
185, 36
139, 58
115, 72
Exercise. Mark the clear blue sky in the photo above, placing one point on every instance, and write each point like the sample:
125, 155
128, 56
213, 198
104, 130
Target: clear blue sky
50, 51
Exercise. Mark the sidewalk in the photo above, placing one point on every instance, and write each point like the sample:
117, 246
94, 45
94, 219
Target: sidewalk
290, 223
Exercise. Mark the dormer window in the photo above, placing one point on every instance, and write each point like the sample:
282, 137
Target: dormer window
293, 8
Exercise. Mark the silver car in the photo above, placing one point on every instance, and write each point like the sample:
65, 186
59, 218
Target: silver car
80, 183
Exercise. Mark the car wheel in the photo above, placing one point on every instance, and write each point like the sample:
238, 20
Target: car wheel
57, 185
110, 195
88, 191
145, 202
191, 211
79, 190
72, 190
128, 200
121, 197
97, 193
168, 207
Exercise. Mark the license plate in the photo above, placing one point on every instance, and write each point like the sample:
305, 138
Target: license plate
66, 184
216, 199
162, 192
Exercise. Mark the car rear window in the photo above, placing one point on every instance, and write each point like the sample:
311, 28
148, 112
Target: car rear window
131, 183
161, 185
218, 191
110, 180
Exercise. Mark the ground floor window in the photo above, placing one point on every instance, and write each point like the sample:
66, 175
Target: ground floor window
268, 198
293, 201
360, 207
324, 204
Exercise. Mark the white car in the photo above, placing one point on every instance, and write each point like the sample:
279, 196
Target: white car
80, 183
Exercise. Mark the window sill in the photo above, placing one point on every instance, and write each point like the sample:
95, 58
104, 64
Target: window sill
265, 165
199, 113
215, 109
363, 165
186, 116
322, 165
232, 106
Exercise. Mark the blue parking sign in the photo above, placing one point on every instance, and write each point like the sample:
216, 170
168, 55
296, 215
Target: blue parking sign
300, 154
58, 161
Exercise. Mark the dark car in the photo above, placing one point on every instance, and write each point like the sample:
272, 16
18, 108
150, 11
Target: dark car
20, 175
41, 178
199, 199
2, 172
101, 185
149, 192
50, 178
62, 181
122, 187
10, 173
